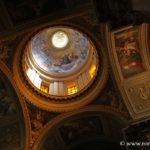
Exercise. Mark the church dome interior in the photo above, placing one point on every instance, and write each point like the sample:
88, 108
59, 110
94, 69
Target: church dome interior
57, 59
74, 75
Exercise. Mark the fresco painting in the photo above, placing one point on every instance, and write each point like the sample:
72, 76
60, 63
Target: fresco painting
86, 126
60, 61
11, 122
129, 53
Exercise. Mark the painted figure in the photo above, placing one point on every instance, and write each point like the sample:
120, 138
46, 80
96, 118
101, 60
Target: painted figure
128, 51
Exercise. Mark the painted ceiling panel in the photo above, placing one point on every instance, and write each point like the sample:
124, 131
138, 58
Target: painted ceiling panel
11, 119
129, 56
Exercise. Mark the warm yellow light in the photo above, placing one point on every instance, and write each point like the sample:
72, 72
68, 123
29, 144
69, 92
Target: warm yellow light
92, 71
72, 88
60, 39
44, 88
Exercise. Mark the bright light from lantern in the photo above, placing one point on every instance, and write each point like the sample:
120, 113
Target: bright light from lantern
59, 39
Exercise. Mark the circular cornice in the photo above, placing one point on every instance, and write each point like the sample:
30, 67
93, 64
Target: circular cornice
53, 103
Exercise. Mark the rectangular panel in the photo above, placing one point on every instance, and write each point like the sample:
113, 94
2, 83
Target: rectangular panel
51, 88
128, 52
84, 77
61, 88
80, 83
55, 88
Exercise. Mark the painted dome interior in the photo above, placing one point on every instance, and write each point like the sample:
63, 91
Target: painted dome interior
59, 50
60, 61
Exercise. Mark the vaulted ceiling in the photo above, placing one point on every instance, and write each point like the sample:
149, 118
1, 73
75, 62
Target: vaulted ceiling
110, 106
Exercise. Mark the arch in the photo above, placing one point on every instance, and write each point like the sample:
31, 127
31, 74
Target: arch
7, 78
89, 110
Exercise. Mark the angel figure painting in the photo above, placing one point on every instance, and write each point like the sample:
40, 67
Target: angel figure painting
128, 52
